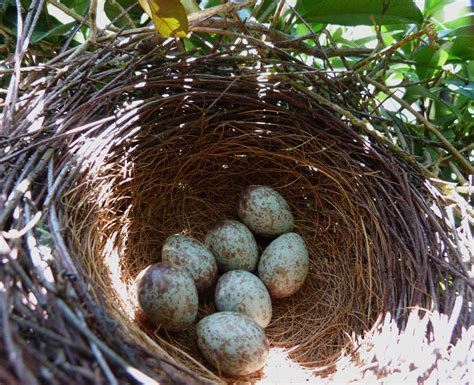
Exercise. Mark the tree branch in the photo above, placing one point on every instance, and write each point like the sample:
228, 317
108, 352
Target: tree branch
429, 126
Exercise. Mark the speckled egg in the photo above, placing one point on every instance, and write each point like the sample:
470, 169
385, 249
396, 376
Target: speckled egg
265, 211
168, 296
188, 252
233, 245
243, 292
284, 265
233, 343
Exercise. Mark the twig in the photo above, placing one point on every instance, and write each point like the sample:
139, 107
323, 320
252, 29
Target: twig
17, 234
132, 372
34, 255
92, 36
359, 123
279, 38
255, 10
23, 187
101, 361
75, 16
87, 374
57, 182
12, 92
267, 12
66, 10
92, 21
225, 8
458, 173
276, 16
468, 148
40, 297
123, 12
61, 340
14, 354
430, 126
24, 32
390, 50
22, 167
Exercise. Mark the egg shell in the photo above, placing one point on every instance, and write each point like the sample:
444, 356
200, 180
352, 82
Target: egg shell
233, 343
243, 292
265, 211
168, 296
284, 265
183, 250
233, 245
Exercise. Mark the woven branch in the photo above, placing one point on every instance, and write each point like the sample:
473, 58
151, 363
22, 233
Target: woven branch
118, 148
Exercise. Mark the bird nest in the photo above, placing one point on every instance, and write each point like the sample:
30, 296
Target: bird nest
111, 151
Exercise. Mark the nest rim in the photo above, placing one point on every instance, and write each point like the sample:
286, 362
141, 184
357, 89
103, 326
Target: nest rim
121, 135
189, 145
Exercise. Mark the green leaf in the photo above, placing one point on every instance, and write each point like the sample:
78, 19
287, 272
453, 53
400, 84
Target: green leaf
169, 16
464, 19
113, 12
461, 88
434, 152
264, 9
300, 29
47, 27
444, 120
462, 39
190, 6
404, 129
429, 60
59, 30
210, 3
3, 6
448, 133
360, 12
433, 6
414, 92
198, 45
78, 6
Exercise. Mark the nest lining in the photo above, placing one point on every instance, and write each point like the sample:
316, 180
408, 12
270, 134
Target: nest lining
193, 153
170, 148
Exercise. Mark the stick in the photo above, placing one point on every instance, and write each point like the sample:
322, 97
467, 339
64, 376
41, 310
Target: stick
23, 187
14, 354
430, 126
102, 346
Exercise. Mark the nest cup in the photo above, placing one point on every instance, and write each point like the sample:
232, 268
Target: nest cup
198, 143
188, 155
169, 147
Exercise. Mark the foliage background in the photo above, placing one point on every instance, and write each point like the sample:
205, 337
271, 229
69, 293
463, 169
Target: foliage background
431, 75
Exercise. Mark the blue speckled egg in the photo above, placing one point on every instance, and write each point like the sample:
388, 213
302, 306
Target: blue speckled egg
233, 343
188, 252
265, 211
168, 296
284, 265
233, 245
245, 293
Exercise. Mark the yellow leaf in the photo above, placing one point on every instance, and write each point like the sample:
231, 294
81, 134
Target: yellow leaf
146, 8
168, 16
190, 6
